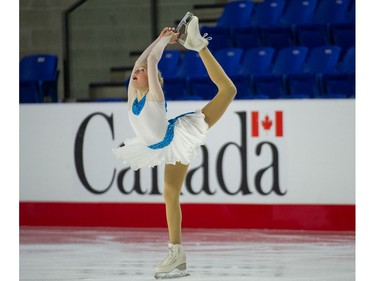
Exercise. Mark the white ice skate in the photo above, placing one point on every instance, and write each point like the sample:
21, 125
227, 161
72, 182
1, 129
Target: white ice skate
174, 265
191, 37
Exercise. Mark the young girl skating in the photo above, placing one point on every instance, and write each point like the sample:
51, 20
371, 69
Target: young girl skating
175, 142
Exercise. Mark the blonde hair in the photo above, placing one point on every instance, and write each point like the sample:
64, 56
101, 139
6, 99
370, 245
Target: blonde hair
160, 77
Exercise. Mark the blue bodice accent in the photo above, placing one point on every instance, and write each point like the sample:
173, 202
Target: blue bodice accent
138, 105
169, 133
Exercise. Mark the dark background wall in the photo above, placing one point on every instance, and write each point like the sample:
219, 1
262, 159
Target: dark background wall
102, 34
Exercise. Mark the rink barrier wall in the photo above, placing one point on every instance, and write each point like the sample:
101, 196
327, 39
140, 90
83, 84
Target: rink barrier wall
277, 164
293, 217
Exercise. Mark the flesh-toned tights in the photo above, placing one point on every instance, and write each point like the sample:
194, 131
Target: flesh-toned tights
174, 175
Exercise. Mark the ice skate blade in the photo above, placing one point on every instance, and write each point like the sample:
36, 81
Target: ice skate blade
171, 275
185, 20
178, 272
183, 23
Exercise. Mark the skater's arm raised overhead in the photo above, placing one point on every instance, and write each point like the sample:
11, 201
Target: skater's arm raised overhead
155, 87
149, 56
142, 60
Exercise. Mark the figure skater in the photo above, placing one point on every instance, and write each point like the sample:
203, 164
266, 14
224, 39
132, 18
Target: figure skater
173, 143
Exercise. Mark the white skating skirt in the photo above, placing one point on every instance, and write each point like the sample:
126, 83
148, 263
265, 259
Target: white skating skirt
181, 144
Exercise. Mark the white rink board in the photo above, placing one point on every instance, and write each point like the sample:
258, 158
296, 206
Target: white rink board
314, 161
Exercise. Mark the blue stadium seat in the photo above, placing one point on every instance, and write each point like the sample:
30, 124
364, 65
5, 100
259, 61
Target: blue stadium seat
308, 83
348, 63
290, 60
243, 86
350, 15
175, 88
29, 92
193, 71
300, 86
271, 86
331, 11
337, 85
343, 35
236, 14
191, 65
257, 61
229, 59
202, 87
267, 13
298, 12
311, 35
340, 84
322, 59
38, 78
246, 38
287, 61
220, 37
276, 37
168, 63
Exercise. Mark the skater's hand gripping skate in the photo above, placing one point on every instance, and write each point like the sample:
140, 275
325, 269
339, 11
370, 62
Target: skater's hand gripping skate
170, 31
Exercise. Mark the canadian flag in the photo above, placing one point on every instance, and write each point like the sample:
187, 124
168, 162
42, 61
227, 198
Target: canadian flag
266, 123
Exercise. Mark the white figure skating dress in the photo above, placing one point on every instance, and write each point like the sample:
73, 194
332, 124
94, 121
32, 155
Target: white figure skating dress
159, 140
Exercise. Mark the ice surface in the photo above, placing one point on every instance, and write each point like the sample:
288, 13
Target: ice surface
109, 254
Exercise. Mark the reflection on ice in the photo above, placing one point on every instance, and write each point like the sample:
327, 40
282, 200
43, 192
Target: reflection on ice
130, 254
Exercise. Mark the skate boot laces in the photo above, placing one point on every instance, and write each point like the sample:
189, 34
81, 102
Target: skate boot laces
205, 35
170, 259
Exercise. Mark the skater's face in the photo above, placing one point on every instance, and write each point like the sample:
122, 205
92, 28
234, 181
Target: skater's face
140, 78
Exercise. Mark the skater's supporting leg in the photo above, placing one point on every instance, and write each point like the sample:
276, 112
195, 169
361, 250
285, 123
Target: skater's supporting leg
174, 176
226, 89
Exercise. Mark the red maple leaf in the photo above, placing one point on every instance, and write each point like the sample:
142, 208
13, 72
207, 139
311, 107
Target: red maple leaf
267, 123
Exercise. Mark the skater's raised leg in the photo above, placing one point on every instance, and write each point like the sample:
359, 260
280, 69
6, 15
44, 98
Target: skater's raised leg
193, 40
226, 89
